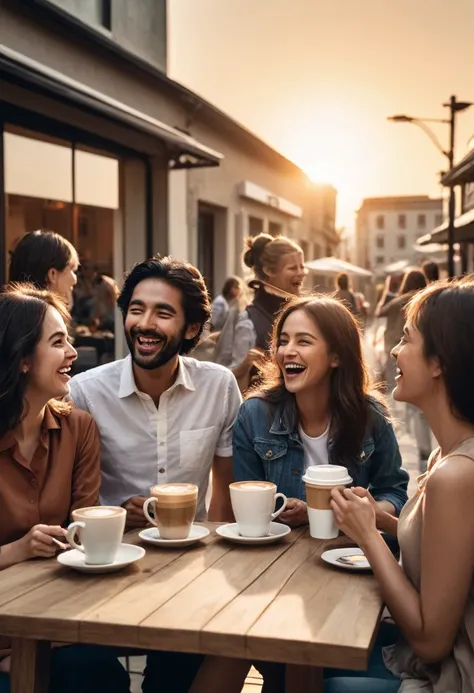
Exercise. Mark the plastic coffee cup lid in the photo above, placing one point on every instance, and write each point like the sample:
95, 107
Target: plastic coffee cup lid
327, 475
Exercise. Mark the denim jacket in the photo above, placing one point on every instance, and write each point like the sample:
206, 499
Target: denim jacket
266, 449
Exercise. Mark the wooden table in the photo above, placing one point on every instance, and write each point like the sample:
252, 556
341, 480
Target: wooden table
278, 603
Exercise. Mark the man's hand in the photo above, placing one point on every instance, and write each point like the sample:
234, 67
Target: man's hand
295, 514
38, 543
135, 516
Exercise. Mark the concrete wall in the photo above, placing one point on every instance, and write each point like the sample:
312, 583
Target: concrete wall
138, 26
87, 63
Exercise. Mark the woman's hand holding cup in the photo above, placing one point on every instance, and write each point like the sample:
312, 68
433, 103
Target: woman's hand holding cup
38, 543
355, 516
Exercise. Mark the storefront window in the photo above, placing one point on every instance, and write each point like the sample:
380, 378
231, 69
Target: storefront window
55, 185
38, 187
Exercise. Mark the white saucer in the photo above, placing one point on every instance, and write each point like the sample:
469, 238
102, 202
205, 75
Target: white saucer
127, 553
231, 532
152, 536
332, 556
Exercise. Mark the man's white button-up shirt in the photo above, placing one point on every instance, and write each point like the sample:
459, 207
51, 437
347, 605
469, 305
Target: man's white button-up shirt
141, 444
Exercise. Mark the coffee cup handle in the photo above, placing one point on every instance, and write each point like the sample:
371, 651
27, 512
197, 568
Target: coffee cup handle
71, 533
145, 510
280, 510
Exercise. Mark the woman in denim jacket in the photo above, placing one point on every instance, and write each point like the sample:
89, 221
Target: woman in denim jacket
314, 407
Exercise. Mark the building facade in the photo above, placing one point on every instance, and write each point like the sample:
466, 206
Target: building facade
98, 144
462, 177
387, 229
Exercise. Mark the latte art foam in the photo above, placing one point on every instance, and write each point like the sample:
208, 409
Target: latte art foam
97, 513
253, 485
175, 494
100, 512
175, 489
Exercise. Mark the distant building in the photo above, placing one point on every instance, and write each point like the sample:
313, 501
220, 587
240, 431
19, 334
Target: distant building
387, 228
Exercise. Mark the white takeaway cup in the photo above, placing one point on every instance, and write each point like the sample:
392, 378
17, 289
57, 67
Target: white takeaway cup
320, 480
100, 529
253, 503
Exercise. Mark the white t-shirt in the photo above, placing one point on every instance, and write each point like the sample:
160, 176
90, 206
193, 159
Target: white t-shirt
142, 445
315, 449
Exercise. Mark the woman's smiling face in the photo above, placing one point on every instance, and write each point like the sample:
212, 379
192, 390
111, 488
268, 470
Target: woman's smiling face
303, 355
417, 376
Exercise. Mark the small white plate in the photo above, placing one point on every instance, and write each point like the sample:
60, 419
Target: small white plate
127, 553
152, 536
332, 556
231, 532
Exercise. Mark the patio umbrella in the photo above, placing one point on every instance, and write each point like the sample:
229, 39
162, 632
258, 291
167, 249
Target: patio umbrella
333, 265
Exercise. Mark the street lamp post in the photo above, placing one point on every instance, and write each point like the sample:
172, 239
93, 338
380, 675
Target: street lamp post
454, 106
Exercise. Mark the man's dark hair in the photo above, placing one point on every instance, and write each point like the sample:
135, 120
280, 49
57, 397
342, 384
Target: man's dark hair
431, 270
182, 275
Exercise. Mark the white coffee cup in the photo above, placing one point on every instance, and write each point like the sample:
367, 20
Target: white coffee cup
100, 529
320, 480
253, 503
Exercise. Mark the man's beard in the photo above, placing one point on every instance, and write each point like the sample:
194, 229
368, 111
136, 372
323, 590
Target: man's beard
169, 349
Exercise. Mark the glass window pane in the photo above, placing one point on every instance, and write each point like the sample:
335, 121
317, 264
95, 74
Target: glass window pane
37, 169
97, 180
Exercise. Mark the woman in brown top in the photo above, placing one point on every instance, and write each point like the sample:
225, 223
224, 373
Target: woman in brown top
49, 462
431, 598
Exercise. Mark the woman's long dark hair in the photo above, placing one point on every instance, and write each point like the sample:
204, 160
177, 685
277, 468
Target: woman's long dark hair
36, 253
22, 311
350, 383
444, 315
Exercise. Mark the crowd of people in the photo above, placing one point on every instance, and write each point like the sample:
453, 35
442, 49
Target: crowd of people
285, 386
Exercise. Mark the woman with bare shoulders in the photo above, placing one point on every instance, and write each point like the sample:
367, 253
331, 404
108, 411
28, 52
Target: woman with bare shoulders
431, 598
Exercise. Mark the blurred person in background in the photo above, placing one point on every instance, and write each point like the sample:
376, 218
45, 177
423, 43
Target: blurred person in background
231, 290
344, 293
47, 260
431, 270
414, 280
278, 267
398, 291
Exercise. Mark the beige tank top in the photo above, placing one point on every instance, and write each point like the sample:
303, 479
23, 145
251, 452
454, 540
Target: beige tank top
455, 674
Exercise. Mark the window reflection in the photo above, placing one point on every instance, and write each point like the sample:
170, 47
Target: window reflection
41, 192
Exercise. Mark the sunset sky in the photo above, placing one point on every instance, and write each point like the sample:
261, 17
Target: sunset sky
316, 80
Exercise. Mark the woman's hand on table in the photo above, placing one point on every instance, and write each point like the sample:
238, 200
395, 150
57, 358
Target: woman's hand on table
295, 514
354, 515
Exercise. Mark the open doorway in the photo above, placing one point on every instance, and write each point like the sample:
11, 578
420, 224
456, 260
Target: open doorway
205, 248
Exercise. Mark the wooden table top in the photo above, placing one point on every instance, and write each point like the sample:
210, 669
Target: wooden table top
278, 602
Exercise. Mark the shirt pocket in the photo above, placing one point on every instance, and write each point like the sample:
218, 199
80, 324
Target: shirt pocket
268, 450
361, 466
197, 447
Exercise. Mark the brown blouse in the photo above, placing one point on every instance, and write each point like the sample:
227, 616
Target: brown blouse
63, 474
